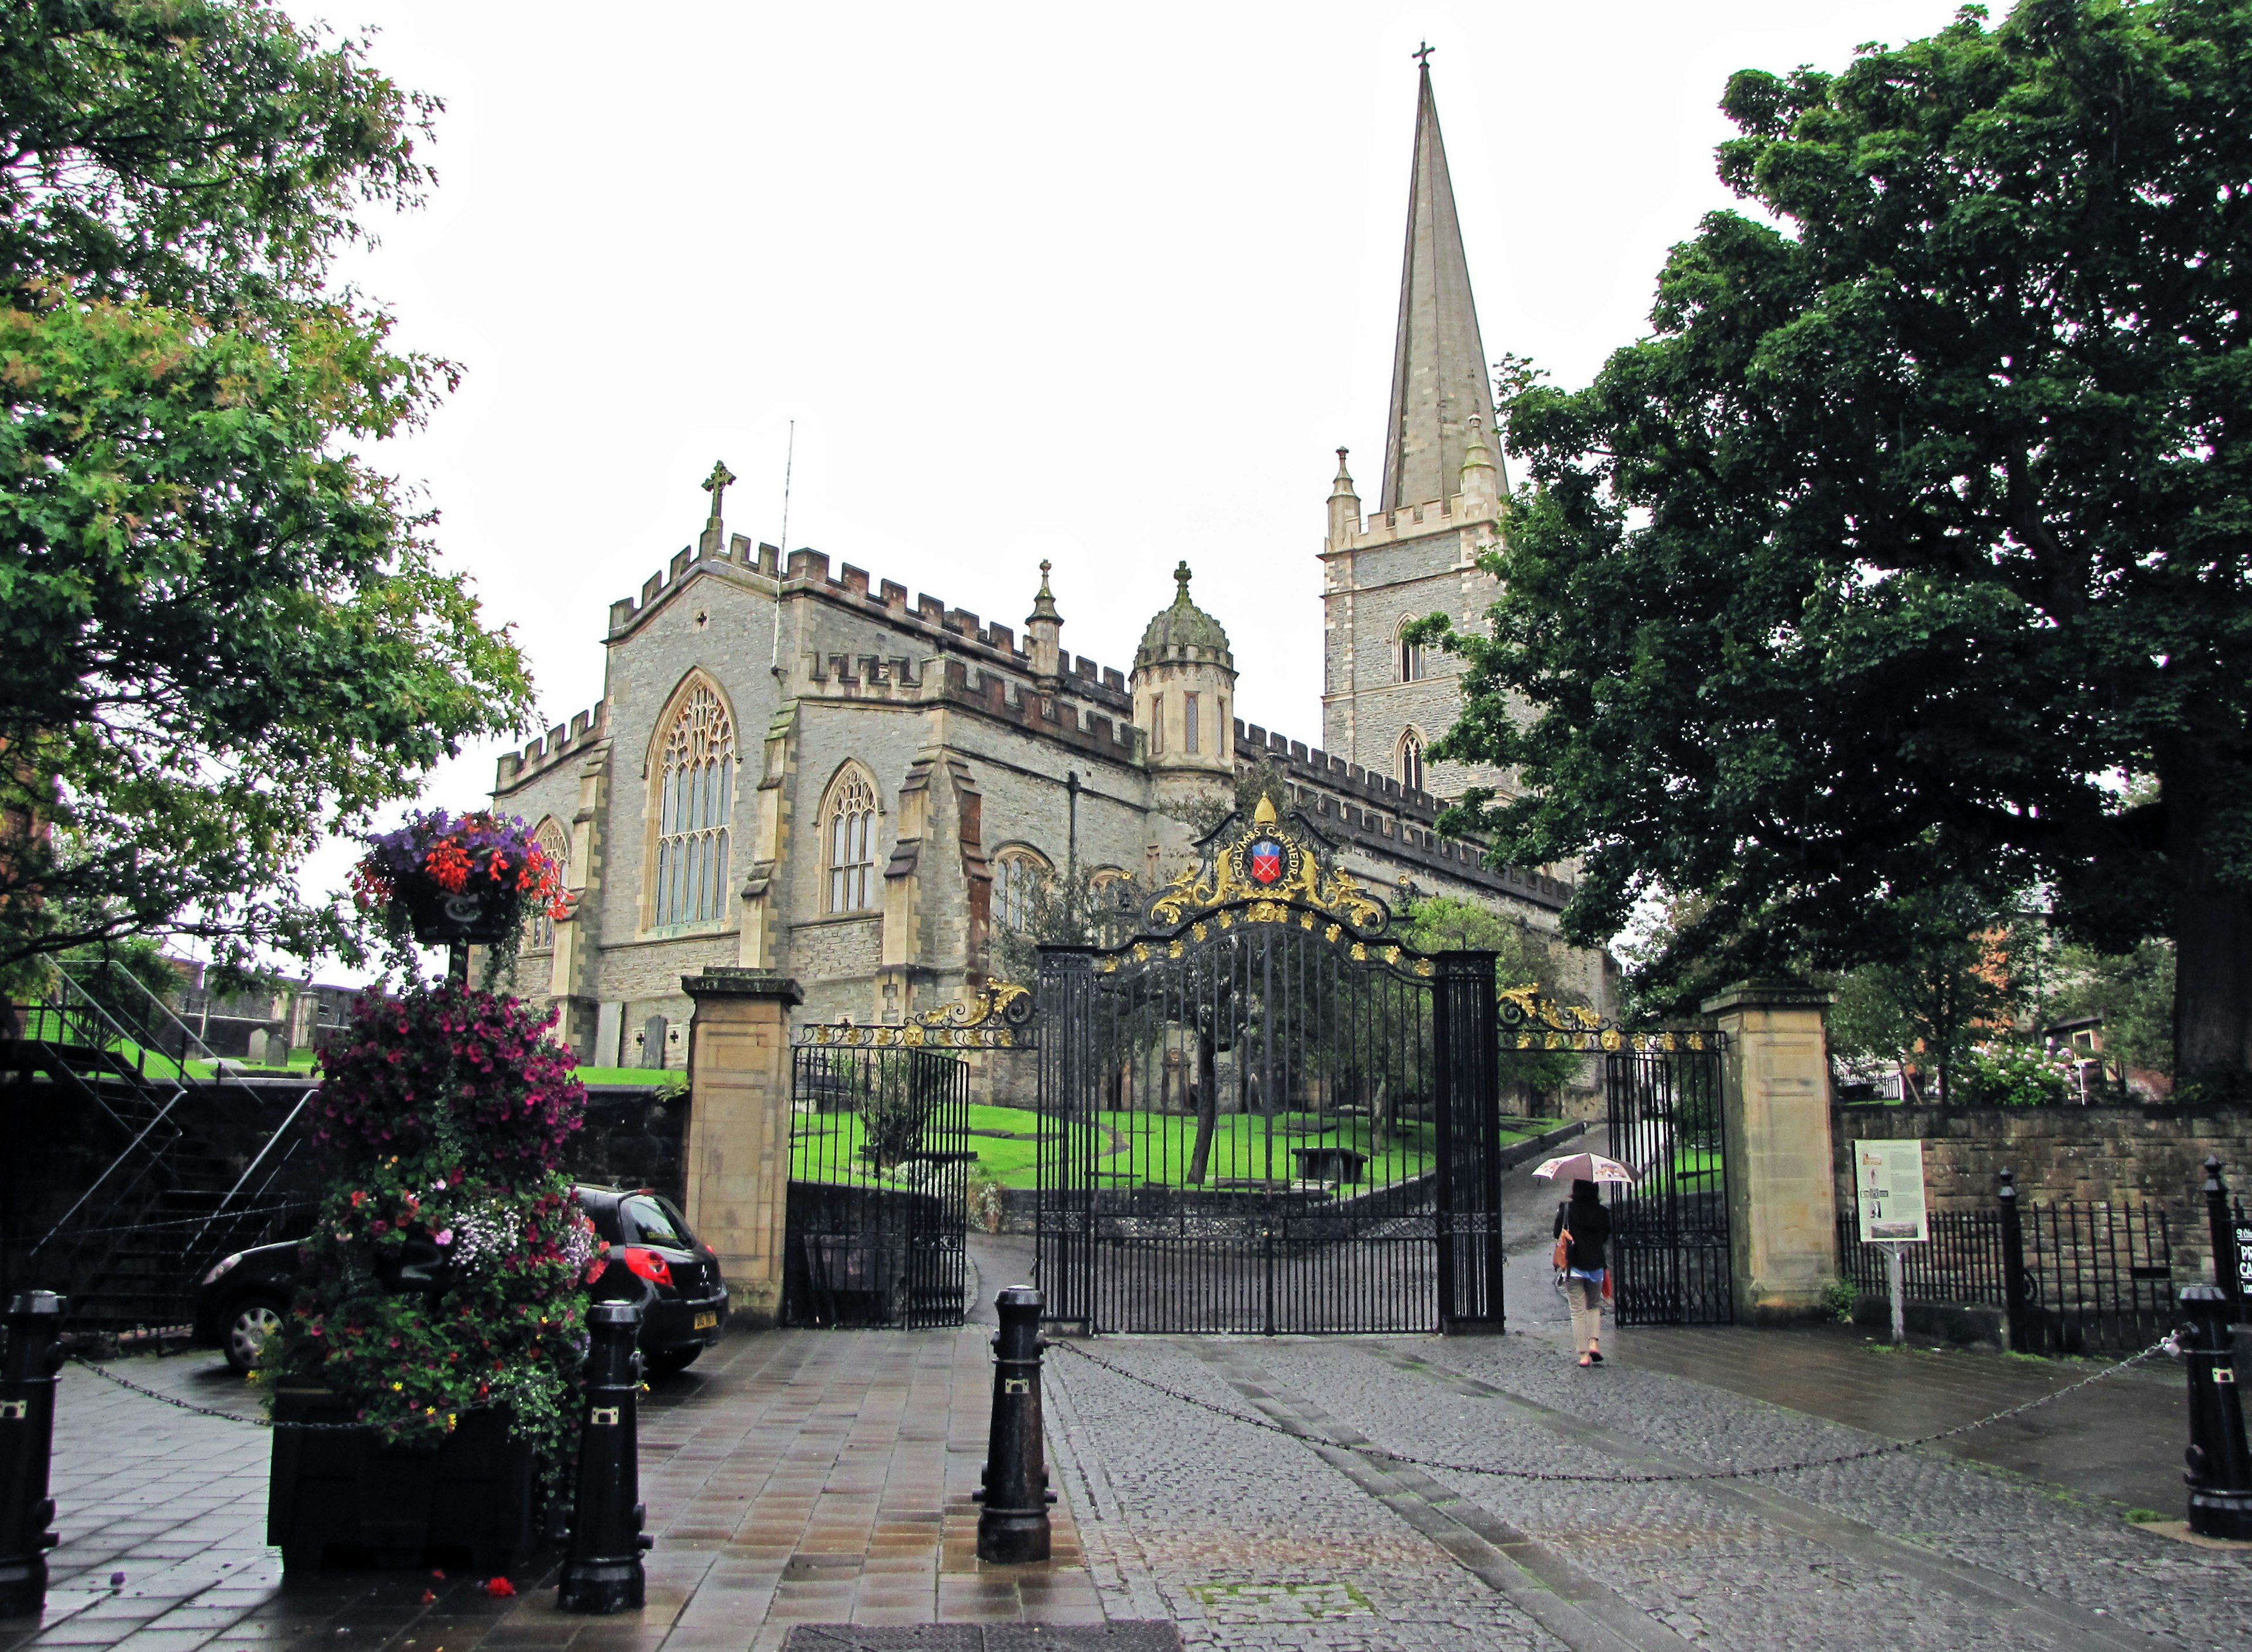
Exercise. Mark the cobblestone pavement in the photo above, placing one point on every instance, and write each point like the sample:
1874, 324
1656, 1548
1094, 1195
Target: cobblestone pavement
805, 1477
1251, 1539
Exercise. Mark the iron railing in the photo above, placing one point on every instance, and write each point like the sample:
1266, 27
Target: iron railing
2069, 1277
879, 1187
114, 1249
1670, 1247
1961, 1264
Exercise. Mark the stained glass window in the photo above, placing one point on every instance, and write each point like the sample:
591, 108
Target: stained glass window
850, 832
696, 798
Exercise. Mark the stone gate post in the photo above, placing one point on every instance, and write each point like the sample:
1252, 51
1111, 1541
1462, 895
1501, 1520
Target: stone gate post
739, 1115
1774, 1120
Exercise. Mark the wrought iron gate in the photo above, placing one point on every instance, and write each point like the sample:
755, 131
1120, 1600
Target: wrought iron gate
1670, 1230
1265, 1116
879, 1161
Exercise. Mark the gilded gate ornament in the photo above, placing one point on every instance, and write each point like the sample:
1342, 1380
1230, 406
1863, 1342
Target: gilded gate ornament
999, 1016
1531, 1021
1274, 870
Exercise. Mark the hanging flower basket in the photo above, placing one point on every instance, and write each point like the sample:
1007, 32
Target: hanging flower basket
456, 879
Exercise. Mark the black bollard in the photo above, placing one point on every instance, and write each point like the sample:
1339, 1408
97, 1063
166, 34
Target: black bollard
2220, 1467
29, 1361
604, 1572
1012, 1527
2231, 1241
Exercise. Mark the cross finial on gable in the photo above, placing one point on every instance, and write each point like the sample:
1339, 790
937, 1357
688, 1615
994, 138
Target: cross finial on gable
716, 485
1422, 53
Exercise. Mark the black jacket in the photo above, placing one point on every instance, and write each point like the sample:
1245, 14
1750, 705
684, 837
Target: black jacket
1591, 1231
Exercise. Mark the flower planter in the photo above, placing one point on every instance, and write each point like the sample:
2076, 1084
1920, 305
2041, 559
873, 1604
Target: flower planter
342, 1498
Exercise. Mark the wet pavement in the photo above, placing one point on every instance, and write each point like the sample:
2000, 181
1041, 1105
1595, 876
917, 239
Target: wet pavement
1259, 1496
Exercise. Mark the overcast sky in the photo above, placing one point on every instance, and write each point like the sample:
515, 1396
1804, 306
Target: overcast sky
1105, 287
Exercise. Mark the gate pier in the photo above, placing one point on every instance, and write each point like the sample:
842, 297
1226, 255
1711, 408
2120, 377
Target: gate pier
1774, 1117
739, 1116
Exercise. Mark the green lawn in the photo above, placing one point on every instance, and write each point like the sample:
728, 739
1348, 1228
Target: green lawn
1140, 1148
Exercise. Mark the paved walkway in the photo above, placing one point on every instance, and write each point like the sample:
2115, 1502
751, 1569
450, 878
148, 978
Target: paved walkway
809, 1477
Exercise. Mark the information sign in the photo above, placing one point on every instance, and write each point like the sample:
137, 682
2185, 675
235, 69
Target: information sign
1888, 1186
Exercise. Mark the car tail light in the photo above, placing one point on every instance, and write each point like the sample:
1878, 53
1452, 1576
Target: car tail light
647, 1263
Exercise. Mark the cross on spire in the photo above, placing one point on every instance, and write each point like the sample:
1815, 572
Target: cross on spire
1422, 53
716, 485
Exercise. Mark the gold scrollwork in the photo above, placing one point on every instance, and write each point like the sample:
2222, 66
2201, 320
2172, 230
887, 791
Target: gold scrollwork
1300, 883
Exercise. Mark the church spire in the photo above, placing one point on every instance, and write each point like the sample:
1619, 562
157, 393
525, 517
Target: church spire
1438, 362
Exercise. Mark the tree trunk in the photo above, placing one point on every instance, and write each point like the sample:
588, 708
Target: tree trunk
1205, 1094
2213, 961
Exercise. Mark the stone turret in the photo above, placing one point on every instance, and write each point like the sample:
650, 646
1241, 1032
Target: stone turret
1043, 629
1184, 686
1481, 478
1345, 507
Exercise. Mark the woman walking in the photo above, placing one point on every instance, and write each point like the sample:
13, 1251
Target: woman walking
1583, 1229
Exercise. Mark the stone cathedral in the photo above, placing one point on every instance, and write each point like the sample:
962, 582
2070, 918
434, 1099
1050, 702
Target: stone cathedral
802, 770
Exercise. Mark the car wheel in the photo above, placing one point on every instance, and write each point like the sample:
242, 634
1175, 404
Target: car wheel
251, 1329
670, 1360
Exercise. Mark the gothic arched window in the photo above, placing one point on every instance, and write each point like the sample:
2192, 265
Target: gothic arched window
695, 799
539, 929
1017, 875
848, 832
1409, 767
1410, 656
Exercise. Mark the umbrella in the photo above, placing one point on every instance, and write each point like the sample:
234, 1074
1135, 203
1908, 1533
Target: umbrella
1585, 1167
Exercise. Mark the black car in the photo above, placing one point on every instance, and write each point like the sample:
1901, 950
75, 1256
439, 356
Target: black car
647, 1255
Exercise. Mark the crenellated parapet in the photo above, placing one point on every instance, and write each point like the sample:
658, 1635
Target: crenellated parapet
1361, 806
1410, 521
938, 628
1052, 717
584, 730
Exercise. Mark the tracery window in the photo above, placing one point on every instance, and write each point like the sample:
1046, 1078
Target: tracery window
848, 830
1017, 877
695, 799
1192, 734
1411, 656
538, 927
1409, 767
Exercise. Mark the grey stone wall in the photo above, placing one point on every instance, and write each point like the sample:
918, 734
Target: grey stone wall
2153, 1153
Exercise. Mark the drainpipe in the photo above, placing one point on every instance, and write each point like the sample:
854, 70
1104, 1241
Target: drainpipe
1071, 840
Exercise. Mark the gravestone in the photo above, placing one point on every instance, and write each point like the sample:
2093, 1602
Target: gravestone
652, 1042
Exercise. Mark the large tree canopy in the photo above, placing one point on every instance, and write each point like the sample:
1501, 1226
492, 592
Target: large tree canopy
1910, 552
221, 632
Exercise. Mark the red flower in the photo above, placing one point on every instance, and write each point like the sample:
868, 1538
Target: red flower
500, 1588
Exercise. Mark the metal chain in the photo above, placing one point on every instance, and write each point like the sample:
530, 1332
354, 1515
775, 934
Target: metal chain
1374, 1450
206, 1411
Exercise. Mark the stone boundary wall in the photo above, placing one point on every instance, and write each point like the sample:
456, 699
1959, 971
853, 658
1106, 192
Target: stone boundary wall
2153, 1152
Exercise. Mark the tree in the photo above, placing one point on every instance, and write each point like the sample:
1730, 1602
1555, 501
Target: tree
223, 633
1955, 979
1523, 957
1918, 534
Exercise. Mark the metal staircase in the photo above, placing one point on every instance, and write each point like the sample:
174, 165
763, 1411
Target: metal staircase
198, 1165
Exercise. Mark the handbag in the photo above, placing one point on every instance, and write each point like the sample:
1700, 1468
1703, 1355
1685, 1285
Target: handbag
1562, 1255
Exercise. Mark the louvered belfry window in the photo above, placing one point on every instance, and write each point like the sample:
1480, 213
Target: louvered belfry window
695, 802
852, 839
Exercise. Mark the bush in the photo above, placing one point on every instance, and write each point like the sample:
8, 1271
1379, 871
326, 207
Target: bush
983, 1193
449, 1248
2014, 1076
